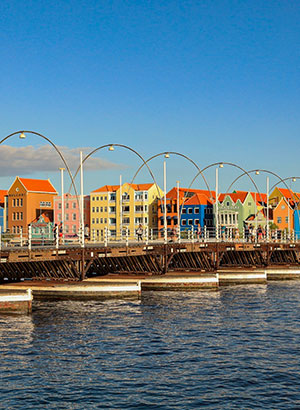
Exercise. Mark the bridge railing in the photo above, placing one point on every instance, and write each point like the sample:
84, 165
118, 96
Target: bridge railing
26, 238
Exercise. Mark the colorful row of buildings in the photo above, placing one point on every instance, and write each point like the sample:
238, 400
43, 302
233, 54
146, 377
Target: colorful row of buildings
122, 209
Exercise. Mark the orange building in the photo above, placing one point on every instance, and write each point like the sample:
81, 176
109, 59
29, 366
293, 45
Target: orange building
281, 214
27, 200
172, 210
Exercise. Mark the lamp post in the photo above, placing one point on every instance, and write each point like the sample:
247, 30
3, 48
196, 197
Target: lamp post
81, 201
217, 201
178, 211
165, 200
267, 213
62, 204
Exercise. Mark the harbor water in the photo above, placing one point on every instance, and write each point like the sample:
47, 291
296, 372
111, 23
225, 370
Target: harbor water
236, 348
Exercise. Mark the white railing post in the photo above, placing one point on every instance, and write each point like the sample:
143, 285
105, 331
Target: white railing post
205, 233
0, 238
243, 234
151, 234
165, 234
94, 235
56, 237
105, 236
193, 237
127, 236
121, 233
293, 235
147, 235
179, 233
189, 235
21, 236
29, 237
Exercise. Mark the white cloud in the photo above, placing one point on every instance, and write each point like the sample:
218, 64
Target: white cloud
27, 160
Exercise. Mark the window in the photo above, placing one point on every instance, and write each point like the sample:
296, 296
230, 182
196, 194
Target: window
17, 202
74, 217
101, 220
286, 219
17, 215
101, 209
227, 203
67, 205
67, 217
93, 220
14, 202
105, 220
67, 228
21, 202
105, 198
97, 220
184, 210
183, 222
279, 219
249, 203
21, 216
59, 205
190, 222
196, 221
74, 228
190, 210
14, 216
282, 207
106, 209
93, 198
74, 206
196, 211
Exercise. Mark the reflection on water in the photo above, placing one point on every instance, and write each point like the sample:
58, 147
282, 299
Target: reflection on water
233, 349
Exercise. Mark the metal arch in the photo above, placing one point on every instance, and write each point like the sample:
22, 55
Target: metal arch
280, 181
54, 146
130, 149
267, 172
216, 164
285, 179
179, 154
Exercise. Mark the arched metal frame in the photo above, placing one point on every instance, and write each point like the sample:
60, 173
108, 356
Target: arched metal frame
56, 149
182, 156
280, 181
130, 149
217, 164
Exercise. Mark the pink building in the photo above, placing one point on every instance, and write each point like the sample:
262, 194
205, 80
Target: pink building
72, 212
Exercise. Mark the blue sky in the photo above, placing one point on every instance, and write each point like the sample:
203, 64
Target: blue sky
216, 80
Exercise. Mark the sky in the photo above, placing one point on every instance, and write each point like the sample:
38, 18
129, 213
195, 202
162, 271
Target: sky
213, 80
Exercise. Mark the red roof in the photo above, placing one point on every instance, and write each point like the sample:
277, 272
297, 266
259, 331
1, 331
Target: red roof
38, 185
182, 191
3, 193
198, 199
260, 197
289, 194
114, 188
235, 196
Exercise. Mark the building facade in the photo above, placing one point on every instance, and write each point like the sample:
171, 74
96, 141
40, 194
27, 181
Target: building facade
72, 214
121, 209
27, 199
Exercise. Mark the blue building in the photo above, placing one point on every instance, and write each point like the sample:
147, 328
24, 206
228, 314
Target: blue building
296, 223
2, 218
197, 209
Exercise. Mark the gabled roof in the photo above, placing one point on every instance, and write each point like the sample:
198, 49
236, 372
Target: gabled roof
172, 194
198, 199
114, 188
260, 197
234, 196
289, 194
3, 193
37, 185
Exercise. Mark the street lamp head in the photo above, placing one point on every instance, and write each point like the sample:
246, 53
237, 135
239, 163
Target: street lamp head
111, 148
256, 172
221, 165
62, 169
167, 155
294, 179
22, 136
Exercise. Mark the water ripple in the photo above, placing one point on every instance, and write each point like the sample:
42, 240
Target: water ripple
238, 348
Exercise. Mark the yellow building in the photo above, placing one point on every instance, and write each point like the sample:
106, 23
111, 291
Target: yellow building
122, 208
